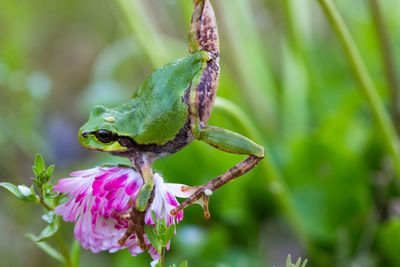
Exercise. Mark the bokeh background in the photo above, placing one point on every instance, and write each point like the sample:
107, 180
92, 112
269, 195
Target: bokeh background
327, 189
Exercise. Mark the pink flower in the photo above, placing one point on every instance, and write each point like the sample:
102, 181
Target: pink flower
99, 198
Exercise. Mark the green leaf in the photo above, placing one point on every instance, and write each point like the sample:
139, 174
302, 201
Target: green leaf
50, 170
32, 190
60, 199
184, 264
36, 171
297, 264
13, 189
75, 251
289, 261
388, 241
49, 231
39, 162
26, 193
47, 248
38, 183
153, 238
154, 216
48, 191
166, 236
49, 217
161, 227
42, 175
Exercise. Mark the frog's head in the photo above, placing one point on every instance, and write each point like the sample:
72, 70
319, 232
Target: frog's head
100, 132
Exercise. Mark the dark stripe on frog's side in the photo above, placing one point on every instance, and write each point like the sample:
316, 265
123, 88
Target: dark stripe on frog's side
182, 139
207, 90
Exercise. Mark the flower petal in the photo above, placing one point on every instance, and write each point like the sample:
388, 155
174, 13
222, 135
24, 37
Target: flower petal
99, 198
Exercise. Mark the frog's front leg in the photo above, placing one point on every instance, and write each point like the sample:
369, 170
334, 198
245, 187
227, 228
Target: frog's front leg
143, 201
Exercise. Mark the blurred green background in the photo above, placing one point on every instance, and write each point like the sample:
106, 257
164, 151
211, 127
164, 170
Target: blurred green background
327, 189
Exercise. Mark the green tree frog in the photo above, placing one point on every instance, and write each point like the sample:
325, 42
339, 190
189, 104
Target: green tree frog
168, 112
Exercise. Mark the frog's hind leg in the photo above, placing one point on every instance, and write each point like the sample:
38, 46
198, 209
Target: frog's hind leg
224, 140
227, 141
203, 32
203, 35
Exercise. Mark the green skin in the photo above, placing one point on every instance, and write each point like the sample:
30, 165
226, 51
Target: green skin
167, 113
156, 113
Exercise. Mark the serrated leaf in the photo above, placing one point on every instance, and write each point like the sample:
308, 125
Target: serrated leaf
33, 198
153, 238
50, 170
168, 234
47, 248
75, 251
184, 264
48, 231
39, 162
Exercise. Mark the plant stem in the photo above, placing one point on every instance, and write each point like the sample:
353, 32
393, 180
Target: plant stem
162, 257
59, 238
44, 204
361, 74
64, 249
388, 62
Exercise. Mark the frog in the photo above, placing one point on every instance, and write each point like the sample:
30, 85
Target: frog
168, 112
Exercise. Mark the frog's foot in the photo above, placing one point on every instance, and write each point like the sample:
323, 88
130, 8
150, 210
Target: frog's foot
201, 195
203, 32
135, 226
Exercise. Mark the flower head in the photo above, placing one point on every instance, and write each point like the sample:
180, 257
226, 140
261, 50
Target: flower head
99, 199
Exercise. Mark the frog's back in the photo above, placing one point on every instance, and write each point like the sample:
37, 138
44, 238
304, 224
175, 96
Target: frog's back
158, 109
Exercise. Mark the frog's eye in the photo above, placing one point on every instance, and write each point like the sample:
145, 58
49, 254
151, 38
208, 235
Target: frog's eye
104, 136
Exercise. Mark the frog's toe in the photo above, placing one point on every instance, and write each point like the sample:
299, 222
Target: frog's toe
135, 226
200, 196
